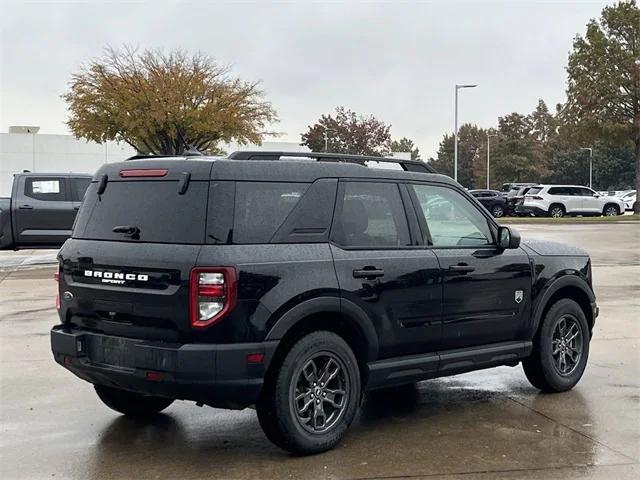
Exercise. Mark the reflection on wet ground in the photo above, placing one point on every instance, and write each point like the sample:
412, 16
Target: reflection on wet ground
489, 424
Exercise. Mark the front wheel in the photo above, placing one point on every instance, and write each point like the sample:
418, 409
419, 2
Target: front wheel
561, 349
310, 401
130, 403
610, 211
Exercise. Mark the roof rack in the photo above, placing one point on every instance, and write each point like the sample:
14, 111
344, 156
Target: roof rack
407, 165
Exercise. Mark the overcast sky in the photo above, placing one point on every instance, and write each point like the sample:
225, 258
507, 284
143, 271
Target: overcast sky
396, 60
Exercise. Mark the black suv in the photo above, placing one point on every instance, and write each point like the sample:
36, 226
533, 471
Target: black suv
295, 285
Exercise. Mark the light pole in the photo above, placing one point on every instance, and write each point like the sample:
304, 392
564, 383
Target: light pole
489, 135
326, 137
590, 164
455, 134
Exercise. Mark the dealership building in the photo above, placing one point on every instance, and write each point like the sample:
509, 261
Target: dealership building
23, 148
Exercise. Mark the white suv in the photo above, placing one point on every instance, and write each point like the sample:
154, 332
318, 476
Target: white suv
560, 200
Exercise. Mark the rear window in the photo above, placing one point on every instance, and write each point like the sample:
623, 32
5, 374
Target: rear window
155, 208
534, 190
261, 207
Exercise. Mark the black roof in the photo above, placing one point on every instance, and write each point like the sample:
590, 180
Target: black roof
278, 166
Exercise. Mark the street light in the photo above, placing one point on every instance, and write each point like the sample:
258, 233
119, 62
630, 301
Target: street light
590, 164
489, 135
326, 137
455, 143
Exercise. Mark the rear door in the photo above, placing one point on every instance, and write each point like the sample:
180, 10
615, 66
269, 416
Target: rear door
134, 244
44, 211
380, 268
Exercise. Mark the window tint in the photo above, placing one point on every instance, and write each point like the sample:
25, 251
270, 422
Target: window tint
46, 188
451, 218
558, 191
371, 215
78, 187
154, 207
585, 192
261, 207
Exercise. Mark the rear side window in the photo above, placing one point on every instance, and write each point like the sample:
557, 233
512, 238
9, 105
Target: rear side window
261, 207
371, 215
51, 189
78, 187
558, 191
155, 208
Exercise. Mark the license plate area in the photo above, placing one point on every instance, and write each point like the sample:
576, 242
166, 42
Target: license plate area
114, 351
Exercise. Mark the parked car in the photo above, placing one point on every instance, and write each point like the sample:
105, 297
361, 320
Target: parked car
516, 197
492, 200
296, 286
560, 200
629, 199
512, 188
41, 209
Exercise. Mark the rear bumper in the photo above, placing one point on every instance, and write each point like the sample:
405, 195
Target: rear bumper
215, 374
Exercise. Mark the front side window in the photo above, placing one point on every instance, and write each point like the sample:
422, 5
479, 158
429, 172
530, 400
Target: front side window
371, 215
46, 188
452, 220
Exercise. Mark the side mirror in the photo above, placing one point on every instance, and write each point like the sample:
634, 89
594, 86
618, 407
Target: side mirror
596, 195
508, 238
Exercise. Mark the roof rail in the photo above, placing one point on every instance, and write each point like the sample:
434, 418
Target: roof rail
407, 165
141, 156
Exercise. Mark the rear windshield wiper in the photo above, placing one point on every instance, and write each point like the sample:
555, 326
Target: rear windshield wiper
128, 230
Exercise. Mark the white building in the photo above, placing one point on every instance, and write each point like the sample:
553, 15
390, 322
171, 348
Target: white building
22, 149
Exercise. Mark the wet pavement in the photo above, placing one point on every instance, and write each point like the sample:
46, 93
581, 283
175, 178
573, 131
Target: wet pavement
481, 425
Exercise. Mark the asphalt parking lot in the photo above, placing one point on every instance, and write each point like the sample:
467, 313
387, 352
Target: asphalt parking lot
482, 425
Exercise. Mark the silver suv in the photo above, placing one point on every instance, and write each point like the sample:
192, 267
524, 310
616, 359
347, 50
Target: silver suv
560, 200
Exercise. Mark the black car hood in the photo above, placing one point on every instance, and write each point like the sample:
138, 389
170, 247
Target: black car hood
548, 248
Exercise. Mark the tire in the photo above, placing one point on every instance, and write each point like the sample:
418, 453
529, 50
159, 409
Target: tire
283, 420
497, 211
610, 210
556, 211
130, 403
543, 368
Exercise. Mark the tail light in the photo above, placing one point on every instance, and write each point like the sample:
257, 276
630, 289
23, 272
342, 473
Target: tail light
56, 277
213, 292
533, 197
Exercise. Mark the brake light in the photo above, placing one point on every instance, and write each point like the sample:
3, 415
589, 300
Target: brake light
148, 172
56, 277
213, 292
534, 197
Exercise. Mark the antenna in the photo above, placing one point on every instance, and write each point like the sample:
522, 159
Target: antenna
190, 151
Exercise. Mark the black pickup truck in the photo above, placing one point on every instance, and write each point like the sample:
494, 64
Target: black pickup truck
41, 209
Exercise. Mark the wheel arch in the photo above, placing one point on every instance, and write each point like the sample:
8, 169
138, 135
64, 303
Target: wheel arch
333, 314
568, 286
611, 204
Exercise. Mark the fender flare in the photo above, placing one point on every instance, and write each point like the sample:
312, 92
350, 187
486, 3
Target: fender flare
328, 305
561, 282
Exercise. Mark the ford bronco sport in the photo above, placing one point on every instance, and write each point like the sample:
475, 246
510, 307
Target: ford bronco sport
296, 285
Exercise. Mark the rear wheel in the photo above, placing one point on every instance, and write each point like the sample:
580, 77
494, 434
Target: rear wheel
308, 404
497, 211
556, 211
561, 350
130, 403
610, 211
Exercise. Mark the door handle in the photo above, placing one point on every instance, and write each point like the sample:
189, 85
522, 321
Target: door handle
461, 268
25, 207
368, 273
